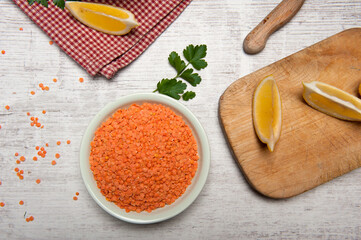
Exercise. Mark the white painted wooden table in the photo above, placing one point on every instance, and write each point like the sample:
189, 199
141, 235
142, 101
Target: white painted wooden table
227, 208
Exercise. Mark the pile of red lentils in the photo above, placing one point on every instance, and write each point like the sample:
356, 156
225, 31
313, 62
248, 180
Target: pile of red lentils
143, 157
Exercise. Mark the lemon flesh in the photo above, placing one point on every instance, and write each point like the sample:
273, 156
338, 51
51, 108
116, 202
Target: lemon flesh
332, 101
104, 18
267, 114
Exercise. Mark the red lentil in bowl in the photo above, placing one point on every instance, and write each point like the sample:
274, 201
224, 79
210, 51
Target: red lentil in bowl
144, 158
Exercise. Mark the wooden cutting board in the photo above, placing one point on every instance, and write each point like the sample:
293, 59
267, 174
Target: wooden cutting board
314, 147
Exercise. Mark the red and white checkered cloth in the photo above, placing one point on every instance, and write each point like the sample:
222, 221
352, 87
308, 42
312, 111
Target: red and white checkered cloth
101, 53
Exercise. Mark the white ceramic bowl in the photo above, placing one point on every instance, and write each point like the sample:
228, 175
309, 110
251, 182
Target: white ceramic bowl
192, 191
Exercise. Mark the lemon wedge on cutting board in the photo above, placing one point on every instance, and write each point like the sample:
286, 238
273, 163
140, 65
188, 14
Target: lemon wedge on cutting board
267, 114
104, 18
332, 101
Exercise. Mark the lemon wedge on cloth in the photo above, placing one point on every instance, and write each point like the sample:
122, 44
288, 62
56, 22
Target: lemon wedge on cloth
104, 18
332, 101
267, 114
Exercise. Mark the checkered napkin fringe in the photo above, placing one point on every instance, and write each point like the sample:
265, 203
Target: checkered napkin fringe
101, 53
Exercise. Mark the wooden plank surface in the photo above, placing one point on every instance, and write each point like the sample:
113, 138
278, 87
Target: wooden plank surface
227, 208
314, 148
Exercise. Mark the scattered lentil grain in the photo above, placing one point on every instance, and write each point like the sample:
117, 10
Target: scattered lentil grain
35, 121
43, 87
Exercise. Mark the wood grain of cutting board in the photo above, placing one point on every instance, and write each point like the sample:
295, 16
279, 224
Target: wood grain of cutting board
314, 147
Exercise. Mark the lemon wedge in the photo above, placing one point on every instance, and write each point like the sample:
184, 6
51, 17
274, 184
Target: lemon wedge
267, 114
332, 101
104, 18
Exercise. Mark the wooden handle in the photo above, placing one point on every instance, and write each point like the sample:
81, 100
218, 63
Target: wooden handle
257, 38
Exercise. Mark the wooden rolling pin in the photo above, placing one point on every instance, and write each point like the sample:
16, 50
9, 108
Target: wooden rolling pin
257, 38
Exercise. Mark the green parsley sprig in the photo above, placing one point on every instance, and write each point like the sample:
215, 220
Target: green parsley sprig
59, 3
175, 88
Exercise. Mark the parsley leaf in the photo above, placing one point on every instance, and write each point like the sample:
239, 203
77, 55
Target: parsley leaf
188, 95
194, 55
59, 3
199, 64
192, 78
42, 2
176, 62
171, 87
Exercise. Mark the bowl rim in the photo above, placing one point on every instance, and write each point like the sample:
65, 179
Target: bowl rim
125, 101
